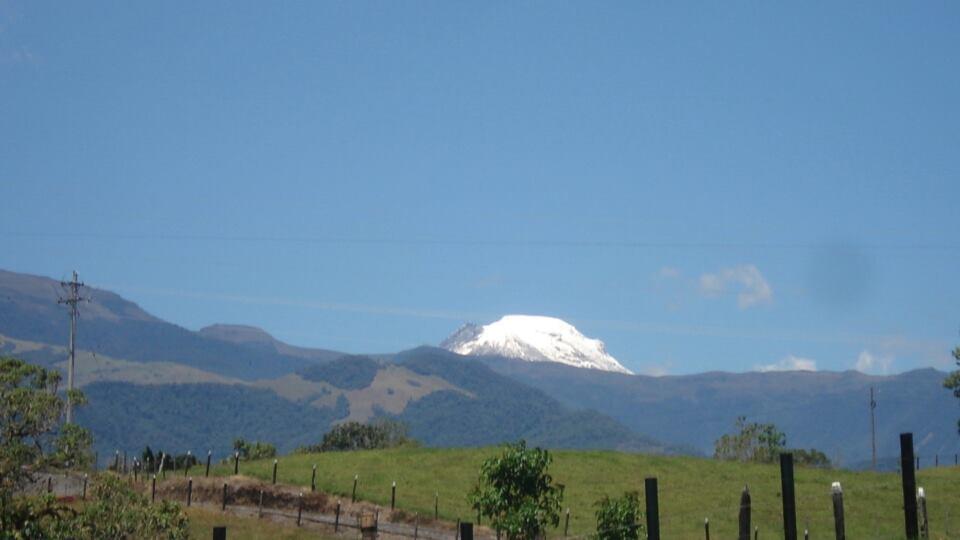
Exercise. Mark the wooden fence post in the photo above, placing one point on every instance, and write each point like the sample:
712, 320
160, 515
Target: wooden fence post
260, 506
416, 525
300, 509
186, 464
922, 504
838, 524
220, 533
789, 499
189, 491
653, 508
706, 528
153, 489
236, 463
744, 518
457, 537
84, 496
223, 505
275, 471
909, 486
436, 505
466, 531
50, 484
207, 473
336, 520
393, 495
313, 479
566, 523
353, 494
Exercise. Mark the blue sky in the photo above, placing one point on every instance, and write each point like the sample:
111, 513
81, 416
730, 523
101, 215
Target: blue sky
708, 186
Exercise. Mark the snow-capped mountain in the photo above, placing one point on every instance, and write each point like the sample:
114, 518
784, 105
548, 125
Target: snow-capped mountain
533, 338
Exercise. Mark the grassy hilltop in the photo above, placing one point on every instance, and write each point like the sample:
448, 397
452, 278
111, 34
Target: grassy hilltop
691, 489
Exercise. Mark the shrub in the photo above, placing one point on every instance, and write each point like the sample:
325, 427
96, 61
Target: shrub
620, 518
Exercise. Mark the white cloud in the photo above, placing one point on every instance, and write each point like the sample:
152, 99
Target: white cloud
874, 364
790, 363
753, 287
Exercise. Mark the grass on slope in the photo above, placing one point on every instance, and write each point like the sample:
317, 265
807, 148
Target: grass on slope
203, 520
691, 489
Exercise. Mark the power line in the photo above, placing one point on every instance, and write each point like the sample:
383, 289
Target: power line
72, 300
479, 242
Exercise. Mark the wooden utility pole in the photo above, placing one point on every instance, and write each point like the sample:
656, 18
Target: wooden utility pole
873, 430
72, 300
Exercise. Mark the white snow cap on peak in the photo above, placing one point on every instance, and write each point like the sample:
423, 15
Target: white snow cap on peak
534, 338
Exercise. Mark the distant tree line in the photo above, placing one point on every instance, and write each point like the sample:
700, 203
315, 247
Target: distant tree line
762, 443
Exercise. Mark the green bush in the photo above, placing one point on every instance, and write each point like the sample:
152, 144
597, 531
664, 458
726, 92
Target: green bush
620, 518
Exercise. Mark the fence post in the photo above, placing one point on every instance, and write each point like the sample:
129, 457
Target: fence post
223, 506
84, 497
313, 479
789, 499
393, 495
189, 491
260, 506
220, 533
706, 528
207, 473
838, 524
186, 464
653, 508
416, 525
336, 520
275, 471
353, 494
153, 489
466, 531
909, 485
300, 509
50, 484
457, 537
566, 523
918, 463
756, 532
744, 518
436, 505
922, 503
236, 463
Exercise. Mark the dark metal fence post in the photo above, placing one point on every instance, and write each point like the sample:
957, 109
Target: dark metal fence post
220, 533
300, 509
909, 480
436, 505
744, 518
706, 528
353, 494
466, 530
236, 463
275, 471
313, 479
336, 520
186, 463
207, 473
653, 509
223, 507
838, 523
153, 489
85, 478
189, 490
393, 495
260, 506
789, 499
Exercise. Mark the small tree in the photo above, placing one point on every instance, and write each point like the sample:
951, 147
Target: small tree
256, 450
619, 519
751, 442
952, 381
516, 492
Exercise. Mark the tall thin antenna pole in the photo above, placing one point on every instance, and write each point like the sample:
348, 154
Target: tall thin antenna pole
873, 429
72, 300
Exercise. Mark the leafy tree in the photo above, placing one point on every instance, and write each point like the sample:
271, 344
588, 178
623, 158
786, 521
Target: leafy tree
952, 381
751, 442
620, 518
516, 492
255, 450
382, 433
31, 437
810, 458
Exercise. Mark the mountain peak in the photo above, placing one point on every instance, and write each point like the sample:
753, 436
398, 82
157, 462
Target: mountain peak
533, 338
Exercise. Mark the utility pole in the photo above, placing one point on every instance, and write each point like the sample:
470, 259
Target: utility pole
873, 429
72, 300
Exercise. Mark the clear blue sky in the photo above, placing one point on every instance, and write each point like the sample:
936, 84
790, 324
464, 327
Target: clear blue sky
716, 186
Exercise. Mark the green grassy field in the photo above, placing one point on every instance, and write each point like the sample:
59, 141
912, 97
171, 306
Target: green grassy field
691, 489
203, 520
